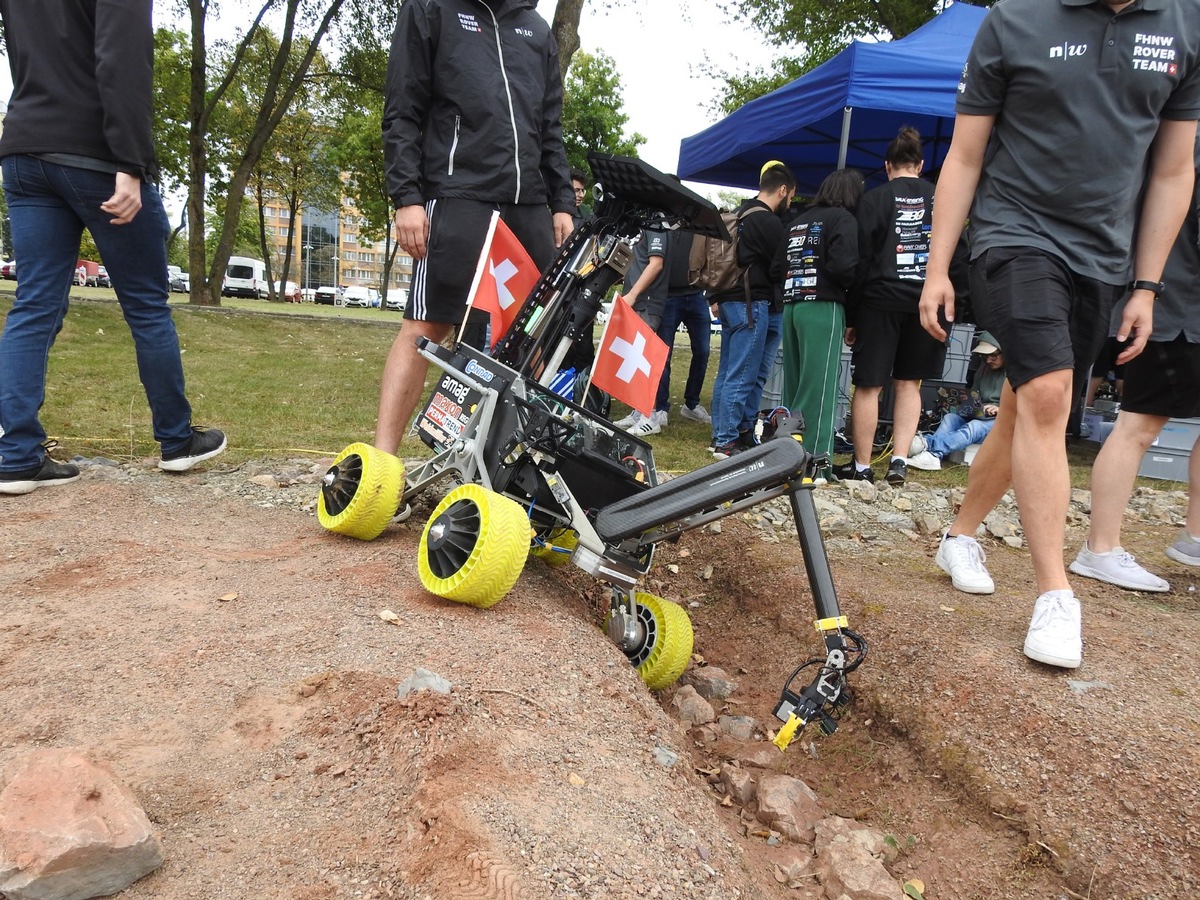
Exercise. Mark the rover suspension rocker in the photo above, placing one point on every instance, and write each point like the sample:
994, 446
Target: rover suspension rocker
526, 472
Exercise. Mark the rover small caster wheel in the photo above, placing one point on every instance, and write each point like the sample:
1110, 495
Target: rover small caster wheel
664, 643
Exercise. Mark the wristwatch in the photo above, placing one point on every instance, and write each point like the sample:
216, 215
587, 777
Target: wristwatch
1154, 287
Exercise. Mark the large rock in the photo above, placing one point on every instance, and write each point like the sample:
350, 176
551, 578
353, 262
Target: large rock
69, 830
692, 709
789, 806
739, 784
710, 682
847, 863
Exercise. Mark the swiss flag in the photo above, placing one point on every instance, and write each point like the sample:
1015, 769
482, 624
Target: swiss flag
631, 358
504, 277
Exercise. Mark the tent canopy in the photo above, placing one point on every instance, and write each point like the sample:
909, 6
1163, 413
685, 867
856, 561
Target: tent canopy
867, 92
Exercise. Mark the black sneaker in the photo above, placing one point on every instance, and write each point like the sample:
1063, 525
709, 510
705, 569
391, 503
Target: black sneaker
47, 474
897, 472
848, 472
733, 448
205, 443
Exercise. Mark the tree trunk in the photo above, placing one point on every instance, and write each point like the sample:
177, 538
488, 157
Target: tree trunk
566, 31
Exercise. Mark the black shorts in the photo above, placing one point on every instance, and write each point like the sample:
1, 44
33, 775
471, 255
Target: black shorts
1045, 316
457, 230
1164, 380
890, 344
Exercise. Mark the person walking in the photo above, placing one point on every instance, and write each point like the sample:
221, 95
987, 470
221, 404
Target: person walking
471, 125
820, 259
751, 317
77, 153
883, 323
1160, 383
1050, 236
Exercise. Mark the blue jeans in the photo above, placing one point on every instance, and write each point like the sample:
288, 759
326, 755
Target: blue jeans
956, 433
49, 206
747, 355
692, 311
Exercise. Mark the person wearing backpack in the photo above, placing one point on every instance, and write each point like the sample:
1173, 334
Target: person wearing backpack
751, 313
820, 259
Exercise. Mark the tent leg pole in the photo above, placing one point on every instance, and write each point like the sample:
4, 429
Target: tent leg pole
844, 146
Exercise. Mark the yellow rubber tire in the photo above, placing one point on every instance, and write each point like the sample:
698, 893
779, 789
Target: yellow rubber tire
364, 492
557, 540
668, 640
474, 546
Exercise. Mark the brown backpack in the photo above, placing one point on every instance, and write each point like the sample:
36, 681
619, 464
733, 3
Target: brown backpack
712, 263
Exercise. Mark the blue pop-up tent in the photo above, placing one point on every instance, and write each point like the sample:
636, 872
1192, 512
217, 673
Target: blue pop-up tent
845, 111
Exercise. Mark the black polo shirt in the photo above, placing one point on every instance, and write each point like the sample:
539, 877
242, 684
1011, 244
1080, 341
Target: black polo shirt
1078, 93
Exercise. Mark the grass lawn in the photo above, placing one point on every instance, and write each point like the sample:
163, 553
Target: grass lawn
293, 380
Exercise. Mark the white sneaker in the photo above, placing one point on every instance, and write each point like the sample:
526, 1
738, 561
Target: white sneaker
918, 446
644, 426
660, 418
1054, 636
699, 414
963, 559
925, 460
1116, 567
630, 419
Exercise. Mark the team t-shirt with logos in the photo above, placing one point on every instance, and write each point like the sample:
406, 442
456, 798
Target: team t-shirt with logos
1078, 92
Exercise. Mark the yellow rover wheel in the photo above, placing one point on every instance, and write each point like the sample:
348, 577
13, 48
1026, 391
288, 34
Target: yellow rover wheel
667, 644
473, 547
556, 547
361, 492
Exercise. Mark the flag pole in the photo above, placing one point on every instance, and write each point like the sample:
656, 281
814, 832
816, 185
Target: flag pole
603, 334
483, 259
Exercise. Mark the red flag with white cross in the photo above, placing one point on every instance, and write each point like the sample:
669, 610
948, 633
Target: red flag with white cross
504, 277
631, 358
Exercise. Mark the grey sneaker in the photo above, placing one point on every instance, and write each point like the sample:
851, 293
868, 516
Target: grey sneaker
925, 461
1055, 631
962, 558
699, 414
1116, 567
1186, 550
918, 445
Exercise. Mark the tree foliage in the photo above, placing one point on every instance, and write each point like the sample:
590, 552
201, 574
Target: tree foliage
593, 115
814, 31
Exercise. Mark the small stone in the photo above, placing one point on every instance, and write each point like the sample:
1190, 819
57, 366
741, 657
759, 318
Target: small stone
423, 680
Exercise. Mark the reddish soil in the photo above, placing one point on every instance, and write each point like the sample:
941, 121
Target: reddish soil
228, 660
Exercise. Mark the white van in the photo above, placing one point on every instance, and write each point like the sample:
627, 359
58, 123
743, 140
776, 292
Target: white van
245, 277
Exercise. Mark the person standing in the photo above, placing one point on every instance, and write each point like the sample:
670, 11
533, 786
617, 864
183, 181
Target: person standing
1160, 383
1063, 121
751, 314
77, 153
686, 305
820, 262
883, 323
471, 125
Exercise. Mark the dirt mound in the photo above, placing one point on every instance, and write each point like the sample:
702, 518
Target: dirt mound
228, 660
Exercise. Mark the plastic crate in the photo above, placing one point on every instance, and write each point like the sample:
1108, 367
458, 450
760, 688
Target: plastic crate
1166, 464
1177, 434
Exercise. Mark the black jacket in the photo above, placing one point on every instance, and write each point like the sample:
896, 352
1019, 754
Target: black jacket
894, 224
820, 255
758, 251
474, 106
83, 80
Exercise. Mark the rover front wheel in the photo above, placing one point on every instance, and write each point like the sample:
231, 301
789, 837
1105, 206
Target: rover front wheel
360, 492
474, 546
666, 644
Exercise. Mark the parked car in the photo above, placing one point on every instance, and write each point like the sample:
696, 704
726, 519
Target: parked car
289, 292
245, 277
100, 278
9, 270
327, 296
397, 298
356, 296
181, 283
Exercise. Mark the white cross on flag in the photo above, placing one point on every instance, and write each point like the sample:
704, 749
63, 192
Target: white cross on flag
504, 277
631, 358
